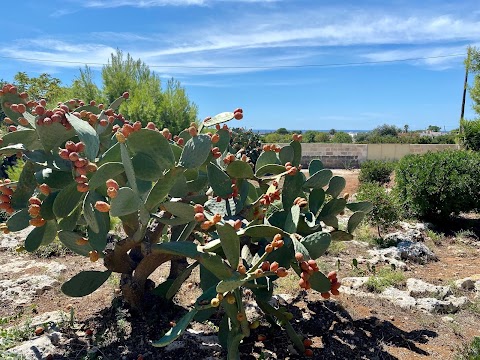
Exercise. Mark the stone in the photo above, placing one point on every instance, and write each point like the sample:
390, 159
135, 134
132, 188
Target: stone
408, 234
465, 284
35, 349
419, 288
12, 240
390, 255
28, 267
280, 300
448, 319
450, 305
51, 317
354, 282
399, 297
416, 252
21, 291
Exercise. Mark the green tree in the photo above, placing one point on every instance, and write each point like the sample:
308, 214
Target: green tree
148, 103
434, 128
85, 88
177, 112
386, 130
322, 137
342, 137
44, 86
473, 66
282, 131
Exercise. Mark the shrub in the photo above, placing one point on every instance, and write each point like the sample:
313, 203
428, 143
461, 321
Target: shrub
246, 142
471, 134
385, 211
385, 278
376, 171
178, 197
438, 184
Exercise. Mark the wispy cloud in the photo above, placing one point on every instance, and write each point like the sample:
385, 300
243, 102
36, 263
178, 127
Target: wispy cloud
255, 42
159, 3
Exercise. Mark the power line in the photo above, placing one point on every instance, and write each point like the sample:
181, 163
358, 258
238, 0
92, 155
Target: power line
246, 67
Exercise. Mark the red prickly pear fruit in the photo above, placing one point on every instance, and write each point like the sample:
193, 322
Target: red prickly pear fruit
82, 187
308, 352
103, 122
112, 183
199, 217
265, 266
21, 108
81, 241
242, 269
12, 128
325, 295
45, 189
79, 147
238, 110
89, 332
81, 179
192, 130
274, 266
151, 126
268, 248
215, 138
39, 110
91, 167
307, 342
112, 192
63, 153
261, 337
332, 275
198, 208
70, 146
102, 206
180, 141
34, 201
93, 103
216, 218
126, 95
137, 125
281, 272
73, 156
39, 331
80, 163
237, 225
335, 292
93, 255
37, 222
238, 116
299, 256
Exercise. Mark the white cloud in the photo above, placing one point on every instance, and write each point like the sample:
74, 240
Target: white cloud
313, 36
158, 3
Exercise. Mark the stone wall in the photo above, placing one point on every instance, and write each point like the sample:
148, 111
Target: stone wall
343, 156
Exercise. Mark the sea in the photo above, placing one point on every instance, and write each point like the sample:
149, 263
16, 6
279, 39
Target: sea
268, 131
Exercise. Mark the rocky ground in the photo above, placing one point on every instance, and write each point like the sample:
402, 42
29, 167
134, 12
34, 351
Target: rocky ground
416, 296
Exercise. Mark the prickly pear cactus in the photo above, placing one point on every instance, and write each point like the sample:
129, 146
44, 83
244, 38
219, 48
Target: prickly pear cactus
178, 197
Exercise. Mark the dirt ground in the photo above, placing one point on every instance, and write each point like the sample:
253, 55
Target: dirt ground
345, 327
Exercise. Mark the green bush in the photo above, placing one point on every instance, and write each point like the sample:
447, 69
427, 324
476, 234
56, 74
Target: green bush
386, 209
247, 141
437, 185
471, 351
376, 171
471, 134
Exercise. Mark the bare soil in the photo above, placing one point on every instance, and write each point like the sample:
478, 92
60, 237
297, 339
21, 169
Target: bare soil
341, 328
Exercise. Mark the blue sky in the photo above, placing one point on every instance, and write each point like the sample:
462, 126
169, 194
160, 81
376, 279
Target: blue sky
256, 54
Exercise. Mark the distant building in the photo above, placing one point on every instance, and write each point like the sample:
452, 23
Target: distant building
432, 134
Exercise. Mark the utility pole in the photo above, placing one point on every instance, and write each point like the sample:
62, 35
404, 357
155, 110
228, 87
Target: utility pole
465, 85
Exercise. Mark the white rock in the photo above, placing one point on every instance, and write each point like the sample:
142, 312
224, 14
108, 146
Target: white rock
448, 319
389, 255
56, 317
19, 266
354, 282
22, 290
34, 349
419, 288
399, 297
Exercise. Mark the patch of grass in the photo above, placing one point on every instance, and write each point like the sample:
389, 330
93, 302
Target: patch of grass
384, 278
475, 306
437, 238
15, 335
466, 236
470, 351
336, 248
364, 233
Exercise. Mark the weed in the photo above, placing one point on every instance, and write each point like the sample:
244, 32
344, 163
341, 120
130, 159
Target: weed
385, 277
54, 249
12, 336
437, 238
470, 351
336, 248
